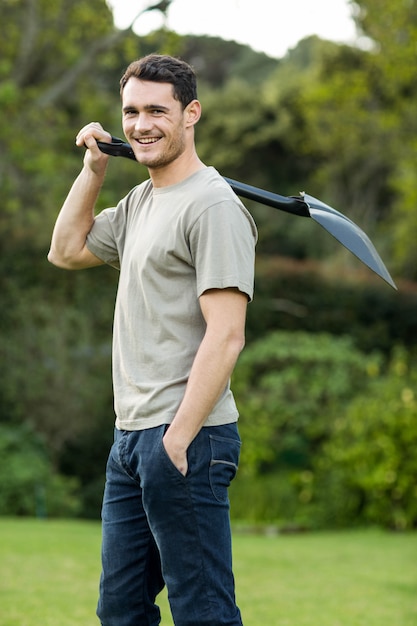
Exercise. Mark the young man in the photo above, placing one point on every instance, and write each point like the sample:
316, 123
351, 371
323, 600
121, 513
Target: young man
184, 245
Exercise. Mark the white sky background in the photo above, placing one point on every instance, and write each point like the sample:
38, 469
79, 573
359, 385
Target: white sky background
270, 26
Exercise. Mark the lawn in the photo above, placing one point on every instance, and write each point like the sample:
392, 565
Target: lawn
49, 573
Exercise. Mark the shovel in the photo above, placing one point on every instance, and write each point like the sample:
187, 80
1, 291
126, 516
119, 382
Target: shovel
337, 224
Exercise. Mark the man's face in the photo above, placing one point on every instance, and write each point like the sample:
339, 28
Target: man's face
153, 122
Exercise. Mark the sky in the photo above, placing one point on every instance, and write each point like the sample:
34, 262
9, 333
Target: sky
270, 26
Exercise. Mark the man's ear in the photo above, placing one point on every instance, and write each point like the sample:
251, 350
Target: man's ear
193, 112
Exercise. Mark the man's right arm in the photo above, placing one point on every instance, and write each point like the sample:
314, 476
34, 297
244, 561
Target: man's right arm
75, 220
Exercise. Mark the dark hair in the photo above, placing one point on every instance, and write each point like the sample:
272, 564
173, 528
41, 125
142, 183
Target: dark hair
164, 69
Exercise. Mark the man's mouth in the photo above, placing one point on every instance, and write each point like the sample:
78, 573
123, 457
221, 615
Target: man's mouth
145, 141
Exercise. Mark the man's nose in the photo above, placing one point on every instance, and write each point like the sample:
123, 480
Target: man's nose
143, 122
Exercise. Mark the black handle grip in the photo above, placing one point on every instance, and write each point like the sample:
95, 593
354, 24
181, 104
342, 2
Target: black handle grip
117, 147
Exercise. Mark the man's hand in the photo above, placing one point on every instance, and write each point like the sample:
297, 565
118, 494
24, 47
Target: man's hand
176, 452
88, 136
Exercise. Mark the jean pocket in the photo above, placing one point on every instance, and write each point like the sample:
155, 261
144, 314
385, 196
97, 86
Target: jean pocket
223, 465
167, 462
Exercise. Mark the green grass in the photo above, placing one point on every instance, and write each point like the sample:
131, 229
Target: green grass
49, 574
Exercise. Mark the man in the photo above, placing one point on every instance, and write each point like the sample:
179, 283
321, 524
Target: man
184, 245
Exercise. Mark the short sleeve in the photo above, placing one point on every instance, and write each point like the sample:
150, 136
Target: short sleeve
104, 235
222, 243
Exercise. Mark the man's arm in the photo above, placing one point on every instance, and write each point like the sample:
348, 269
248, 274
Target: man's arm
224, 311
76, 218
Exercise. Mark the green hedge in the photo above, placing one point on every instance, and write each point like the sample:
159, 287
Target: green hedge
371, 454
296, 295
29, 483
329, 434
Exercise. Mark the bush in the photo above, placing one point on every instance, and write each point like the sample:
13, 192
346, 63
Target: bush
305, 296
29, 486
370, 460
272, 498
328, 440
290, 388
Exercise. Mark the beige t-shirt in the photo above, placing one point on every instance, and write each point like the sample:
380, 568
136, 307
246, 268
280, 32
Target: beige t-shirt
171, 244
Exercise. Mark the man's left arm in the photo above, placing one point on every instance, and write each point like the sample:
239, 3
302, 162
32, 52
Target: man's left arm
224, 311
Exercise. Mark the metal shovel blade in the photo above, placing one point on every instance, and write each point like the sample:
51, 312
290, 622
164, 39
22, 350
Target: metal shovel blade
349, 235
337, 224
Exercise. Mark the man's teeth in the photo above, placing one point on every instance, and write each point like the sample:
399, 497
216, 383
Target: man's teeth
148, 139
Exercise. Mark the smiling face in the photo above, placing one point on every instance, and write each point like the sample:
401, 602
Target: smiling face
159, 130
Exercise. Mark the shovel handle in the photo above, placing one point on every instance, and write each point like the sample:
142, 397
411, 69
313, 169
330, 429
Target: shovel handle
117, 147
289, 204
293, 205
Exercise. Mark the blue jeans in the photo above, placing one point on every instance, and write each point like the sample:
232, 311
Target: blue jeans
160, 527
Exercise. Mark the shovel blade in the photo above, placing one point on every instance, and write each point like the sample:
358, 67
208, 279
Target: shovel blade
349, 235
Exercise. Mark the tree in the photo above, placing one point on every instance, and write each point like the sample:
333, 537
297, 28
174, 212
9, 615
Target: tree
392, 27
55, 56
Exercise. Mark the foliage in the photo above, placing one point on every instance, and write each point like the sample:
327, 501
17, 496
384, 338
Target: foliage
47, 75
46, 357
29, 484
362, 110
264, 126
370, 459
217, 62
335, 120
304, 295
270, 498
330, 459
291, 387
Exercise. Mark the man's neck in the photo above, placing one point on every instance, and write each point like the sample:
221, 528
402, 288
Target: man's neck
175, 172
